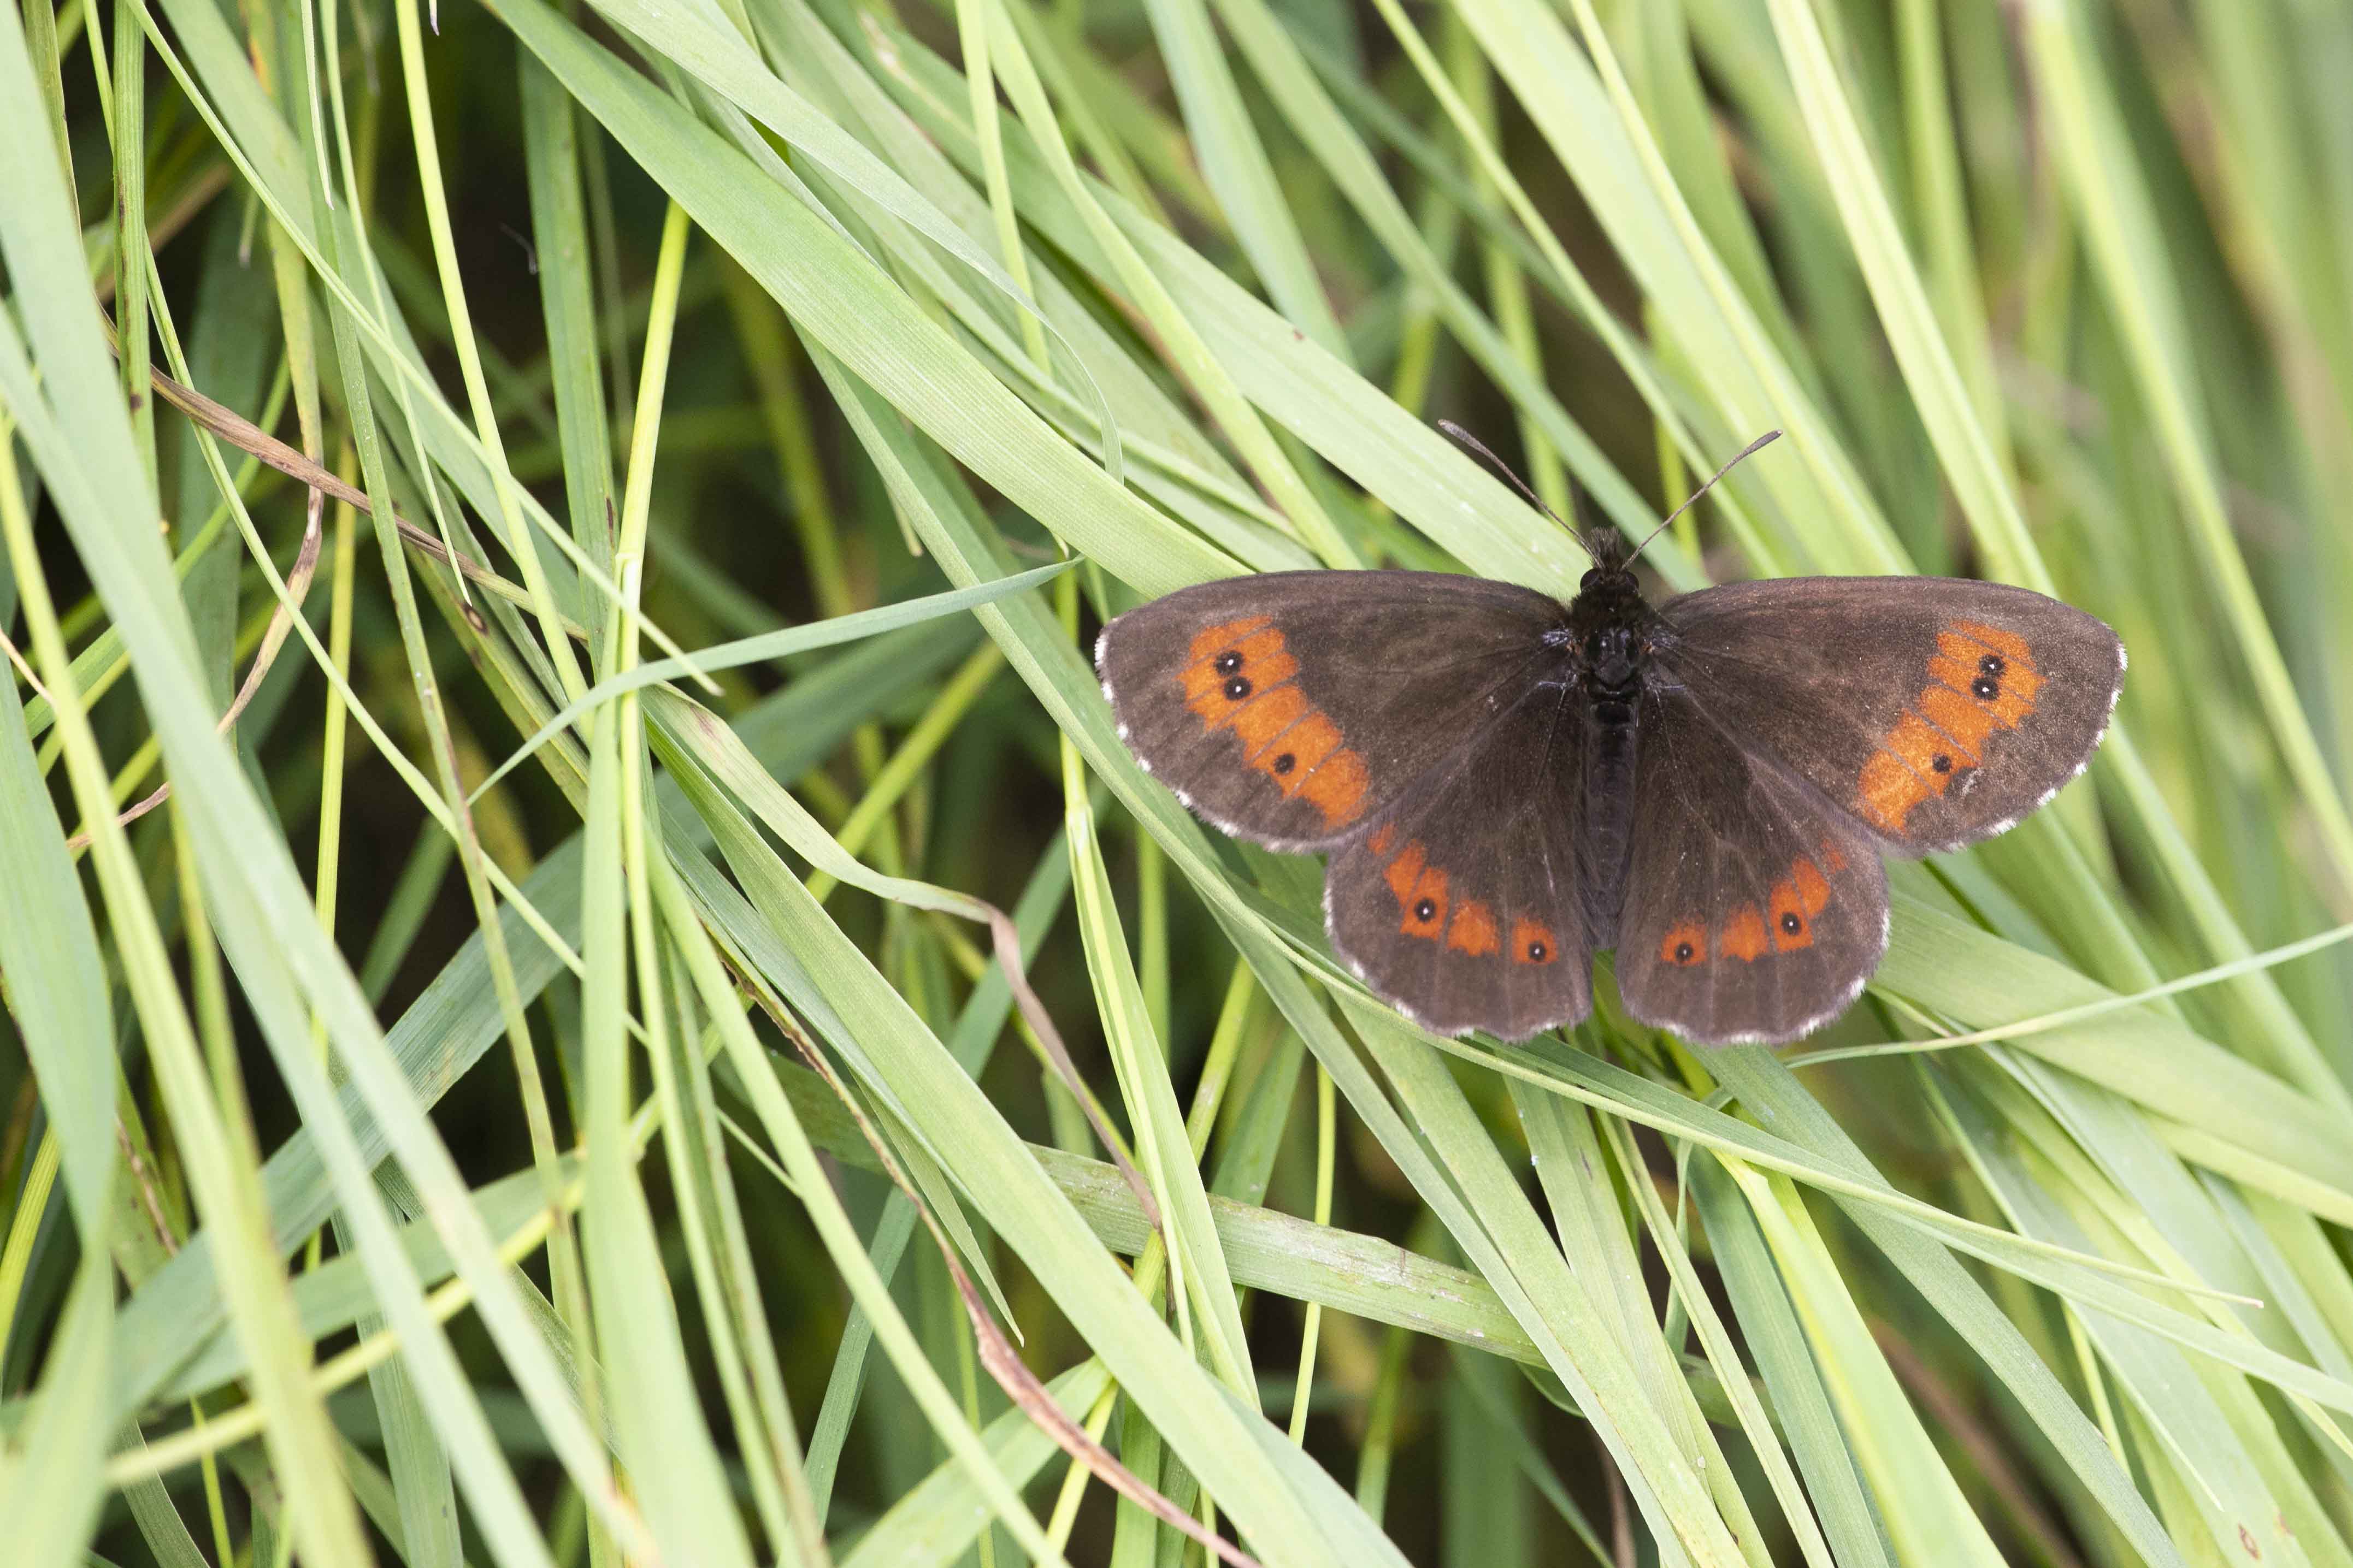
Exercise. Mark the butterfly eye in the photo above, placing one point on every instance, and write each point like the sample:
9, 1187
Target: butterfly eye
1229, 662
1990, 664
1792, 924
1237, 689
1424, 909
1986, 687
1535, 953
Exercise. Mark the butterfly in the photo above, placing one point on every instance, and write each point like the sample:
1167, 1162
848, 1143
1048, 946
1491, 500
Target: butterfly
1508, 784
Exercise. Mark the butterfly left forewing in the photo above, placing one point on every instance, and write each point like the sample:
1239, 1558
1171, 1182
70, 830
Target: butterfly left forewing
1755, 909
1935, 711
1291, 707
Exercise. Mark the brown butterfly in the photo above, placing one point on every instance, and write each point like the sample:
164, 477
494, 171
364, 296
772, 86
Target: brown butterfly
1507, 784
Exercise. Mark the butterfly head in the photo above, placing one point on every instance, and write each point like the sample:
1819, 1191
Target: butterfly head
1613, 559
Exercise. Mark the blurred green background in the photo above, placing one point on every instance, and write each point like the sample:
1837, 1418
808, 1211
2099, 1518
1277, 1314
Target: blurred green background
520, 1101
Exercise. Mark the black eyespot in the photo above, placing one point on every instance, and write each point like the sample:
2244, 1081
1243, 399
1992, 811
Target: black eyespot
1285, 763
1237, 689
1682, 953
1941, 762
1535, 953
1791, 923
1425, 911
1986, 687
1229, 662
1992, 665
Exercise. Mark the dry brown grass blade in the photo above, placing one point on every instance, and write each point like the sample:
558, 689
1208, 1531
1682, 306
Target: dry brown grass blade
252, 439
1007, 943
281, 623
1952, 1414
25, 670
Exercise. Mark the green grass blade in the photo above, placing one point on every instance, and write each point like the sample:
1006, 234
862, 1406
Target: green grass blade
1235, 163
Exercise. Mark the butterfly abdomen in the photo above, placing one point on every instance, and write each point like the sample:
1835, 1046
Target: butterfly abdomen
1612, 745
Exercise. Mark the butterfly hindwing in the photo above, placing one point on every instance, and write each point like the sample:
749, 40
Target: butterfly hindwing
1290, 707
1937, 710
1460, 904
1755, 909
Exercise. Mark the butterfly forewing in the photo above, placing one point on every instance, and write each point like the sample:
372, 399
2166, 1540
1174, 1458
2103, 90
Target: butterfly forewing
1461, 902
1755, 909
1290, 707
1938, 711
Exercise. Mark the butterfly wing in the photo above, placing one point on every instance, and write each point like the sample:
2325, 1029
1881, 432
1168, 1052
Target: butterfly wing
1755, 908
1290, 707
1938, 711
1460, 904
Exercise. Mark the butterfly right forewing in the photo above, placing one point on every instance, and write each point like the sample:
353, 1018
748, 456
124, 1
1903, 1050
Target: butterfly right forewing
1937, 712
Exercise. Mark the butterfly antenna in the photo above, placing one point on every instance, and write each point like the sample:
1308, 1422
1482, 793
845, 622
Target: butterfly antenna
1751, 449
1463, 438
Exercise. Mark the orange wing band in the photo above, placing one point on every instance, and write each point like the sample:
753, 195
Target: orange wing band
1473, 930
1427, 908
1532, 942
1744, 934
1796, 899
1418, 887
1982, 678
1243, 678
1784, 924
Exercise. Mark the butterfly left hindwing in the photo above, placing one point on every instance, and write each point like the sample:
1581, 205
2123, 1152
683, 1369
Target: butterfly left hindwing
1461, 902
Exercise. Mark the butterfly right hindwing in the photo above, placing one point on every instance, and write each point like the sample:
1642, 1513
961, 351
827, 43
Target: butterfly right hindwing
1755, 909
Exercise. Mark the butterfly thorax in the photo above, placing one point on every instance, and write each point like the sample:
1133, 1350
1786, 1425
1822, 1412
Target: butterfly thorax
1609, 626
